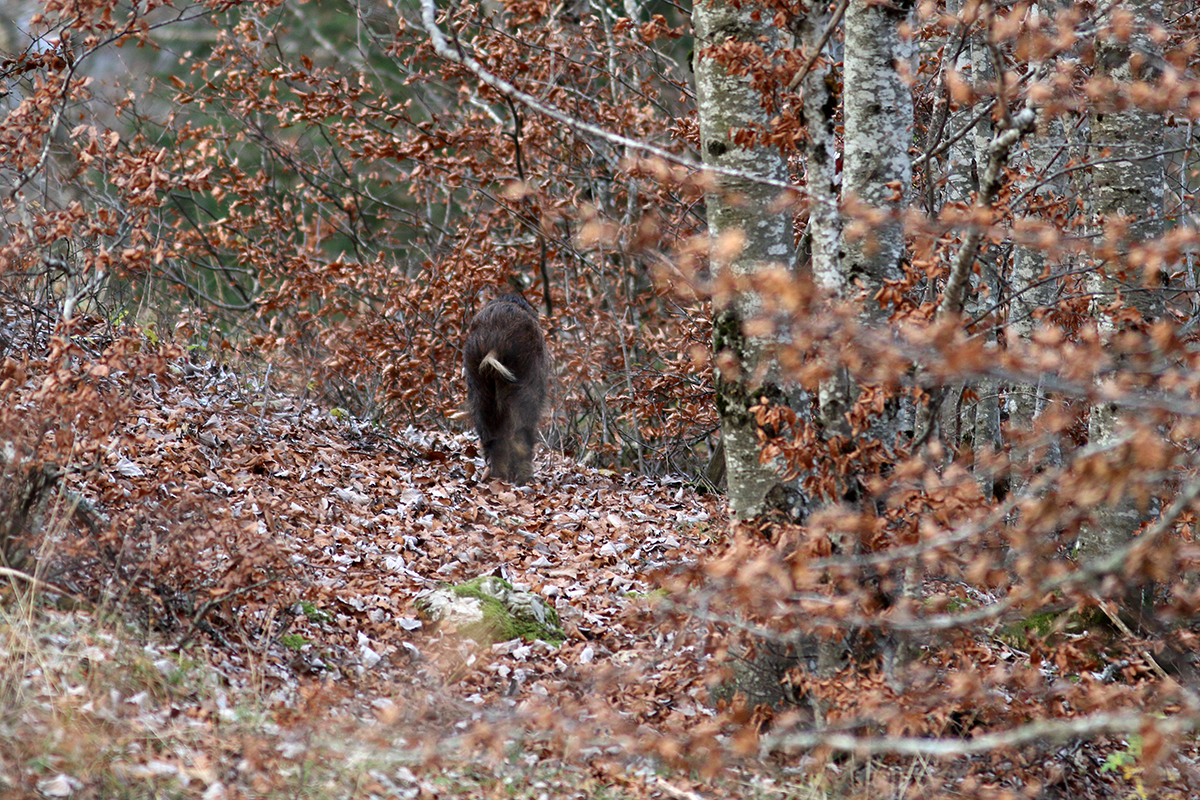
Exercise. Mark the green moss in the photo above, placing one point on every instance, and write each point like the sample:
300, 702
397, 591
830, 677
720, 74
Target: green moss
652, 596
293, 641
732, 398
1043, 625
313, 613
506, 615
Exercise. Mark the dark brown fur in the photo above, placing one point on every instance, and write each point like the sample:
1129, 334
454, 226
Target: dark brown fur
505, 365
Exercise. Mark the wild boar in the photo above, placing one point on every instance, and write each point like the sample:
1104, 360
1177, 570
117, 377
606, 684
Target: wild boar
505, 365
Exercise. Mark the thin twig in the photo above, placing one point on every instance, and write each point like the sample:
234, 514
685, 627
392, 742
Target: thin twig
507, 90
1109, 611
38, 583
954, 296
989, 187
216, 601
838, 13
1054, 730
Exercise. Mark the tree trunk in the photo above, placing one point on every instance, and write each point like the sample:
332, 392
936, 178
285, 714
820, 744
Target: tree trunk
879, 118
878, 111
1127, 191
750, 234
1031, 289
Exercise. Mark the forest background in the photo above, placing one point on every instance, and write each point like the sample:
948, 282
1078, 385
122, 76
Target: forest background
910, 286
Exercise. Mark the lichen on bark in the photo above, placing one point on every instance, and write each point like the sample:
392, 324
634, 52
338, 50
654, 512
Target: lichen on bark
751, 227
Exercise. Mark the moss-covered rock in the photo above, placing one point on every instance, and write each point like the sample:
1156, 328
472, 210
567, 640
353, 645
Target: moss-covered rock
490, 609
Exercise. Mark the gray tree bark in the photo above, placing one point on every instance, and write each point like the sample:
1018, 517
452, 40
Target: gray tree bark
824, 195
877, 177
1128, 187
878, 111
821, 153
1030, 285
749, 229
877, 181
879, 118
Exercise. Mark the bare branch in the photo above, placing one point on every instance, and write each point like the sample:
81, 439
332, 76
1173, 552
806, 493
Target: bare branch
508, 90
834, 21
989, 186
1041, 732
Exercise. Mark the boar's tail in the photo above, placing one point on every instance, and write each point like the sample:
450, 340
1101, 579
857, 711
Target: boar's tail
493, 363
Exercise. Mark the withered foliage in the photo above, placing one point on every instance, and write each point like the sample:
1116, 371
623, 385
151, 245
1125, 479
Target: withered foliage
93, 524
314, 194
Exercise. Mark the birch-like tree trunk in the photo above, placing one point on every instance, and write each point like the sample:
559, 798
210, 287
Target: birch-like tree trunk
1030, 286
750, 234
878, 112
1128, 186
824, 197
821, 154
879, 117
876, 184
984, 418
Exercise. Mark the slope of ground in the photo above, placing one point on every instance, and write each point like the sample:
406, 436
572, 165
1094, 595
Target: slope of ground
272, 551
227, 606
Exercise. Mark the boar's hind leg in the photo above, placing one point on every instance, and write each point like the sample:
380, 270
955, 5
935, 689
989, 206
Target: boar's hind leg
499, 456
521, 454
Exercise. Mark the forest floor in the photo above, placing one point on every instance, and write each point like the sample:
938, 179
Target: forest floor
232, 613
